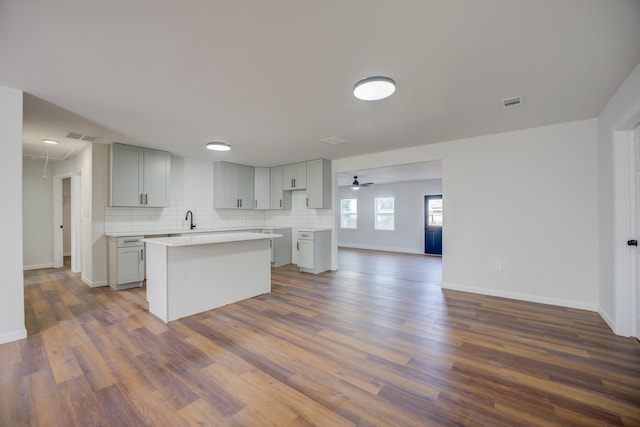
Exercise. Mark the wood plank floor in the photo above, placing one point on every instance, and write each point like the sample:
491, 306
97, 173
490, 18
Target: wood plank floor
377, 343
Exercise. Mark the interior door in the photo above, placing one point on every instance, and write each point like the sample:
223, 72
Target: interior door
433, 225
636, 156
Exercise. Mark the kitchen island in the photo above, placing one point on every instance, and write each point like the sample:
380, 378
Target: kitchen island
190, 274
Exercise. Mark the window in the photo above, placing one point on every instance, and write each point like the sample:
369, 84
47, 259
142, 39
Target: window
435, 213
384, 213
349, 213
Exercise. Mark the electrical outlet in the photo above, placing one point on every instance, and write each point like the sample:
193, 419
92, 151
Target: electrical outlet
499, 266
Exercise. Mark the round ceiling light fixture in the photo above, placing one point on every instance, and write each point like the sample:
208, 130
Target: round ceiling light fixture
374, 88
218, 146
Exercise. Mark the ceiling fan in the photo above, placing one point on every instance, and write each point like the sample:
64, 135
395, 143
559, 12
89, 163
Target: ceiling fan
356, 185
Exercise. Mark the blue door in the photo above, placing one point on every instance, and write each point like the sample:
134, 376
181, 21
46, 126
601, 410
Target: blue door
433, 225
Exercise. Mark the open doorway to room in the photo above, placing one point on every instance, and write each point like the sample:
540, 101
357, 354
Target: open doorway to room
382, 210
400, 189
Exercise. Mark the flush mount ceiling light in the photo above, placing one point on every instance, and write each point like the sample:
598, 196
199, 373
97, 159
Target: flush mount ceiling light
50, 141
374, 88
218, 146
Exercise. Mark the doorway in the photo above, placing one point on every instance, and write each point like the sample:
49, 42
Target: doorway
433, 225
66, 221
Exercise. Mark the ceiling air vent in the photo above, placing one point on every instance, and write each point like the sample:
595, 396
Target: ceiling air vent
515, 101
81, 137
333, 140
73, 135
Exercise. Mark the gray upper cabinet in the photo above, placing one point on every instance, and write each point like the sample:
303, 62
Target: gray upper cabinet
156, 176
319, 184
233, 186
280, 199
139, 177
295, 176
262, 188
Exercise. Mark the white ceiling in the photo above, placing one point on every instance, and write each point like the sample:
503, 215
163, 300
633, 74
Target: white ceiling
273, 78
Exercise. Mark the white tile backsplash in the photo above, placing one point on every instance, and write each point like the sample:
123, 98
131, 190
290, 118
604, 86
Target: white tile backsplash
205, 216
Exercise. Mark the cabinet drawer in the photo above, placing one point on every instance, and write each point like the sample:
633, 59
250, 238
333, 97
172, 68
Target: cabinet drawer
305, 235
124, 242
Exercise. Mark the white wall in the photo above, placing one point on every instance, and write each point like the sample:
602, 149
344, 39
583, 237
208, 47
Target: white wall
621, 113
84, 164
12, 326
98, 200
37, 214
527, 199
408, 235
93, 163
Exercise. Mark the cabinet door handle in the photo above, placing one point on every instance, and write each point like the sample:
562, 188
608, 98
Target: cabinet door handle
141, 254
141, 198
280, 202
294, 183
307, 202
146, 199
255, 203
297, 246
240, 202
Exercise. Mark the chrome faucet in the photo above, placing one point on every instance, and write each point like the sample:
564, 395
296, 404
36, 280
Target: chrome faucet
191, 224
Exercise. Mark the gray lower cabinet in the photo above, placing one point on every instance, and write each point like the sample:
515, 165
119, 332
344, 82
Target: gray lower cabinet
125, 262
280, 246
314, 250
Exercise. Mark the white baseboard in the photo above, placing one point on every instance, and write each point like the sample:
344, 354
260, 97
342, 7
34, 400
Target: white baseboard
37, 266
607, 319
96, 284
521, 297
13, 336
381, 248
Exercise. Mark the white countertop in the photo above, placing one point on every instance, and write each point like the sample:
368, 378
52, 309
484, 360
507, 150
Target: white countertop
205, 239
186, 231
